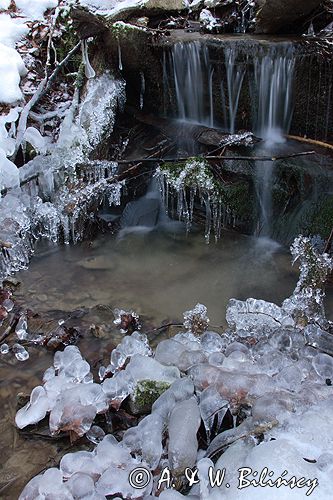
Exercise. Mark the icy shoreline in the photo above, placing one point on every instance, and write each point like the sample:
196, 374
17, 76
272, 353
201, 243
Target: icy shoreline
267, 371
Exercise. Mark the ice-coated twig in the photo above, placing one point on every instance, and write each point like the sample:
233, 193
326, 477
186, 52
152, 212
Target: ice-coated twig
216, 447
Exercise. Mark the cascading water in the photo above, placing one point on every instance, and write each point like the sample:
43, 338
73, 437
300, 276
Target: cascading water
273, 113
235, 76
268, 70
273, 85
188, 66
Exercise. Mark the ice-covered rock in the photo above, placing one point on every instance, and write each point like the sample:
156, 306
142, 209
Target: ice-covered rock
34, 411
136, 343
169, 352
68, 393
253, 314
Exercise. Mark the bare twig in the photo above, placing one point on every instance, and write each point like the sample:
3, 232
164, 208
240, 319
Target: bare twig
257, 431
237, 158
313, 142
329, 242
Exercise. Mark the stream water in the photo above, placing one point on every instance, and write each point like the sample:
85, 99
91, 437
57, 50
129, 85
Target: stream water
158, 274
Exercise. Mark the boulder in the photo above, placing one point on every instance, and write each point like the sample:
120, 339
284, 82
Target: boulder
281, 16
165, 5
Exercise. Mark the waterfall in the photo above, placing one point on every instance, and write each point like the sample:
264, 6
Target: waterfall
235, 76
273, 82
267, 71
189, 70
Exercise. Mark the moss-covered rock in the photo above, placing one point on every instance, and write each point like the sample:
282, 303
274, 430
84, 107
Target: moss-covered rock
196, 174
145, 394
319, 219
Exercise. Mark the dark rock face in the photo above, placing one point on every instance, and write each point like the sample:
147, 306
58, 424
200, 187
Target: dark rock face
281, 16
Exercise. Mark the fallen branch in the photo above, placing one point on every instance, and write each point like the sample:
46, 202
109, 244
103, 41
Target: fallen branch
310, 141
237, 158
257, 431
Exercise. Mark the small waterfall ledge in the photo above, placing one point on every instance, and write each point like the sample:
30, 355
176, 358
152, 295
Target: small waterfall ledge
227, 65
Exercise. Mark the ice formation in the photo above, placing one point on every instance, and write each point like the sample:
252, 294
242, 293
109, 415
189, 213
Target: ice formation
59, 205
68, 393
208, 21
261, 371
188, 181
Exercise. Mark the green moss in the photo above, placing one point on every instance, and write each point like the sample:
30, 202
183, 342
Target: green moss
145, 395
196, 173
239, 198
319, 219
121, 30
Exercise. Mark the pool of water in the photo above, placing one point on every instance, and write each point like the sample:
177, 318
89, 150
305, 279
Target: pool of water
156, 274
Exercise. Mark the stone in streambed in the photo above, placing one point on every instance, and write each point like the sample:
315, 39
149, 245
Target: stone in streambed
99, 262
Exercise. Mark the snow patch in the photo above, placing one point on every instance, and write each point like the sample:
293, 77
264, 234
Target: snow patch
34, 9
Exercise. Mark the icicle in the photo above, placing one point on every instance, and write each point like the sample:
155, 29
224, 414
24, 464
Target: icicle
120, 63
311, 31
143, 89
89, 70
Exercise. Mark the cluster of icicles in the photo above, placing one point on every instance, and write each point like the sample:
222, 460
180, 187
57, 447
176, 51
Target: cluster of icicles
26, 218
180, 192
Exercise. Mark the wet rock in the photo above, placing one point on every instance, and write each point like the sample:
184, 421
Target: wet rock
11, 282
283, 16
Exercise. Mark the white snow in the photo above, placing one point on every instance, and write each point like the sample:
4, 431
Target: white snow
113, 8
34, 9
11, 30
12, 69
